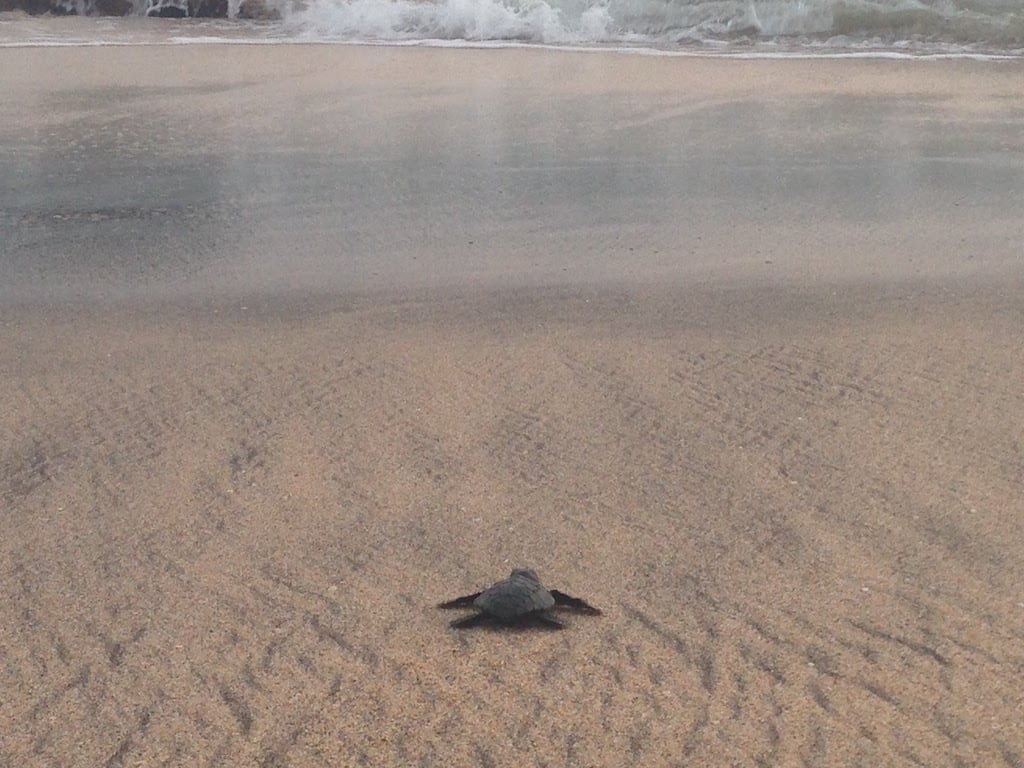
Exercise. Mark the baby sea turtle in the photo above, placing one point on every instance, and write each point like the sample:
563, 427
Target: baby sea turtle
519, 599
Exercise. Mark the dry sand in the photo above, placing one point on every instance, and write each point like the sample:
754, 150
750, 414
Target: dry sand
786, 462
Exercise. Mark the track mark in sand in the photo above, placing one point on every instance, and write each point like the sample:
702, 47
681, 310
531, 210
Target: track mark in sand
705, 665
702, 660
919, 648
522, 440
548, 669
633, 416
695, 735
273, 649
116, 649
670, 638
527, 724
878, 691
819, 697
239, 708
790, 368
762, 662
283, 581
822, 661
285, 735
117, 760
21, 475
244, 462
115, 653
364, 655
249, 677
818, 746
1010, 756
571, 740
638, 741
277, 755
48, 700
483, 757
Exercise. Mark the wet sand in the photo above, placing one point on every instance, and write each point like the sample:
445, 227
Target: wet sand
299, 341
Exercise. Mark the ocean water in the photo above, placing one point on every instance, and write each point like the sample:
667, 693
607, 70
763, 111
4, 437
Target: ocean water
758, 27
935, 25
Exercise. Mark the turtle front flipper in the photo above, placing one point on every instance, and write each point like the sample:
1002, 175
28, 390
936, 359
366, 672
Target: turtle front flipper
460, 602
574, 602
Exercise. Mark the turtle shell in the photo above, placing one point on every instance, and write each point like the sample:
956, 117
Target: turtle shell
514, 597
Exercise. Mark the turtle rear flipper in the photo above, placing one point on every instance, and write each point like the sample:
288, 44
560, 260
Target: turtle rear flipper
542, 619
460, 602
574, 602
470, 621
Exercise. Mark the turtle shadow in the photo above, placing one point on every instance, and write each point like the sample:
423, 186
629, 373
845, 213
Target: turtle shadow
481, 623
543, 622
496, 628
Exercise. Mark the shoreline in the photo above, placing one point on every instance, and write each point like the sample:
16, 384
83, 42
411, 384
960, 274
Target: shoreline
792, 47
879, 54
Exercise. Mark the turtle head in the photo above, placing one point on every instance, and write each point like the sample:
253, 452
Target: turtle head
525, 573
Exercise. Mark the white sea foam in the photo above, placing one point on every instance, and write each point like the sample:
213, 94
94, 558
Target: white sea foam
979, 28
996, 25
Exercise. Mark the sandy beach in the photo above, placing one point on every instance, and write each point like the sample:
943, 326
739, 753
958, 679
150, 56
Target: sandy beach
298, 341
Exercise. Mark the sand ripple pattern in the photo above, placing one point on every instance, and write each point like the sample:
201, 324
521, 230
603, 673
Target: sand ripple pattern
222, 535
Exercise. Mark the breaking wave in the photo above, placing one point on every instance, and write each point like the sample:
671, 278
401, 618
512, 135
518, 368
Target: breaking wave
992, 24
971, 26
